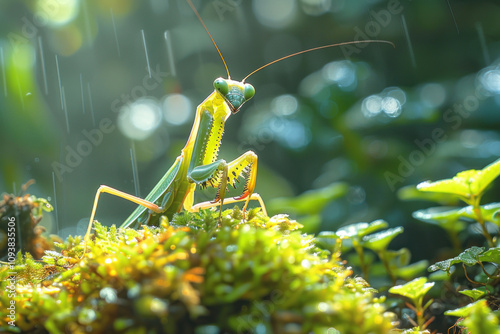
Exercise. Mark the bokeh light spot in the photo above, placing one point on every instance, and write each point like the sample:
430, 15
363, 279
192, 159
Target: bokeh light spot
139, 119
343, 73
371, 106
292, 134
391, 106
396, 93
316, 7
276, 13
67, 40
491, 81
432, 95
57, 13
176, 109
284, 105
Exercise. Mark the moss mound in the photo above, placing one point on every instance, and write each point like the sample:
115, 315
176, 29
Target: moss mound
192, 275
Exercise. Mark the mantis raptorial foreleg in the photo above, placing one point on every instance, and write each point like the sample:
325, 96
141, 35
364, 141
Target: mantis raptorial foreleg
231, 200
229, 173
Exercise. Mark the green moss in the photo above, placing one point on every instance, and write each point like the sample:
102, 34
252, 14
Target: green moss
192, 273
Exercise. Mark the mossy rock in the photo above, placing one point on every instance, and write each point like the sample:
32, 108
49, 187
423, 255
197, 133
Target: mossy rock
193, 275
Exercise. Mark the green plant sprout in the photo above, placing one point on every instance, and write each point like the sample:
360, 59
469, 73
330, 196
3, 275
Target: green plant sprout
354, 234
469, 186
476, 318
360, 236
378, 242
415, 291
475, 294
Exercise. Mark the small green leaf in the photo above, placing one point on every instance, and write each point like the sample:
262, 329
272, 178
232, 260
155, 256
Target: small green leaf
456, 186
399, 258
466, 310
475, 294
414, 290
479, 319
412, 193
444, 216
412, 270
327, 239
466, 184
488, 174
469, 257
491, 255
380, 240
487, 212
361, 229
309, 202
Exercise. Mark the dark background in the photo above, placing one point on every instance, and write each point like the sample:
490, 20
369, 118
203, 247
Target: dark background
317, 118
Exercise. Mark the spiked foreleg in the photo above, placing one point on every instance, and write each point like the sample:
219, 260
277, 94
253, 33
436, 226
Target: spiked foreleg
245, 166
231, 200
215, 175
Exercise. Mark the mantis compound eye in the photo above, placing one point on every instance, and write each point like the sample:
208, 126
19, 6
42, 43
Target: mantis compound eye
249, 92
221, 86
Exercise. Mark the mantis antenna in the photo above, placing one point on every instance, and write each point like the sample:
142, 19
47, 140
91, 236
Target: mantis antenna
282, 58
208, 32
314, 49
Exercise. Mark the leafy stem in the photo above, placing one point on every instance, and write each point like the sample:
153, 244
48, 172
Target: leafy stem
476, 208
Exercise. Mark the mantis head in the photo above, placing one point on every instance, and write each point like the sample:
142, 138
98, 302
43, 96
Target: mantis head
235, 93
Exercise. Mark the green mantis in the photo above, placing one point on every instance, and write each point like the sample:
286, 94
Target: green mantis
198, 163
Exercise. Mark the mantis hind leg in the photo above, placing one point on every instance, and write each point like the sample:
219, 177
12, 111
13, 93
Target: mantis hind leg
105, 189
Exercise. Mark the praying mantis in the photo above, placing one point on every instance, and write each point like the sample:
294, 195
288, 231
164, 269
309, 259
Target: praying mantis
198, 164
